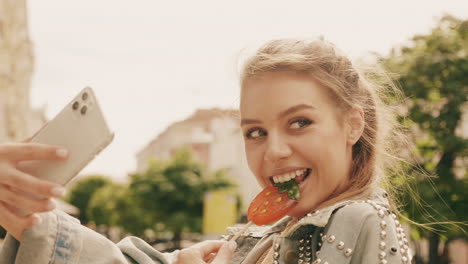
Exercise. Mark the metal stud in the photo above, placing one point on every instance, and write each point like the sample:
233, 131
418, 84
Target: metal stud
317, 253
394, 216
308, 248
324, 237
307, 242
382, 255
381, 213
276, 255
301, 241
331, 239
307, 259
348, 252
308, 254
383, 224
340, 245
301, 255
300, 261
405, 259
319, 244
317, 261
393, 250
301, 249
383, 261
383, 234
275, 262
310, 236
276, 247
382, 245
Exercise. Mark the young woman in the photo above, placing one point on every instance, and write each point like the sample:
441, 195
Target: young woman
308, 115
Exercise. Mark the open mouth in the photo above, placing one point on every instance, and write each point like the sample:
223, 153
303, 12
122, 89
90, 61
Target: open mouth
298, 175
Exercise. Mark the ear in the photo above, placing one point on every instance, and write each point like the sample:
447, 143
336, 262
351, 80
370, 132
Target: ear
355, 120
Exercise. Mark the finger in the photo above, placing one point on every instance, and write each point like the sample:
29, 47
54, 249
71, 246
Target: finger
15, 225
209, 246
24, 202
30, 184
32, 151
225, 253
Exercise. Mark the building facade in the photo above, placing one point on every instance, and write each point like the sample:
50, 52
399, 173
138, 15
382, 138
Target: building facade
216, 140
17, 120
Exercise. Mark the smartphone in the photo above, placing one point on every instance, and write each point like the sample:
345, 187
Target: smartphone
80, 128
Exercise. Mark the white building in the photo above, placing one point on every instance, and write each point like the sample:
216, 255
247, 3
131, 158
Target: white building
17, 120
215, 138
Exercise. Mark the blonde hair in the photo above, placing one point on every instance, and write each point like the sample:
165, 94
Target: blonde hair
374, 153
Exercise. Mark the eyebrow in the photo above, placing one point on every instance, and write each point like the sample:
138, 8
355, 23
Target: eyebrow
247, 121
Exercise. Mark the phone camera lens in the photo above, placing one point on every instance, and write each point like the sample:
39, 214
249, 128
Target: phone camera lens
84, 96
75, 105
83, 110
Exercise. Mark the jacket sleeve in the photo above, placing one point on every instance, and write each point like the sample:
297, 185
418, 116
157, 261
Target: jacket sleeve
364, 232
61, 239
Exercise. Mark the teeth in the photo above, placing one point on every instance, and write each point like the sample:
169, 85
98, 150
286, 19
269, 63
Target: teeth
288, 176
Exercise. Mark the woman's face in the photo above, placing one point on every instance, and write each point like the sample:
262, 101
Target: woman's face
292, 128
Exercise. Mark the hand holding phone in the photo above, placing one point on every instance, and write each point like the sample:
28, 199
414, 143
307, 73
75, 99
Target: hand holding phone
12, 180
81, 129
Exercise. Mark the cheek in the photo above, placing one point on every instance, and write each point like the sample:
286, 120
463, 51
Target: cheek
254, 159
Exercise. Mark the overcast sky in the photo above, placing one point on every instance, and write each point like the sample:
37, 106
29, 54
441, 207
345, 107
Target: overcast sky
152, 63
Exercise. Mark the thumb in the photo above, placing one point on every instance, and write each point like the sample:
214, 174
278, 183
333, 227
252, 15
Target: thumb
225, 253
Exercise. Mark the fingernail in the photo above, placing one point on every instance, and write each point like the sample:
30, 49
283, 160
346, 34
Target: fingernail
58, 191
37, 220
50, 205
63, 153
232, 245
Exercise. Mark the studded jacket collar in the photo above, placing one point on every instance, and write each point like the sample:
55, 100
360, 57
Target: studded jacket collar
351, 231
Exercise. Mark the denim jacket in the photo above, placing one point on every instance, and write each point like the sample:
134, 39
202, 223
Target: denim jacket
352, 231
60, 239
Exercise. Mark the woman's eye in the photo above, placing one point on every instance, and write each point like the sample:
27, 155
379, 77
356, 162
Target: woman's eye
255, 133
300, 123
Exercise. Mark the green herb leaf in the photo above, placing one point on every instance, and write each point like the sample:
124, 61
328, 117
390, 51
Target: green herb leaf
291, 188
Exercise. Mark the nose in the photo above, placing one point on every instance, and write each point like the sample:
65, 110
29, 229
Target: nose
277, 148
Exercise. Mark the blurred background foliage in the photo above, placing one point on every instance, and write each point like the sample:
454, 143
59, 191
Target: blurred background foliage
165, 200
432, 71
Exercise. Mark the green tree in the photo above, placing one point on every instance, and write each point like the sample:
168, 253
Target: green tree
82, 191
114, 205
433, 74
171, 192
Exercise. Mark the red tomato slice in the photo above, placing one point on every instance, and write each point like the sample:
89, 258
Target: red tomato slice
269, 206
